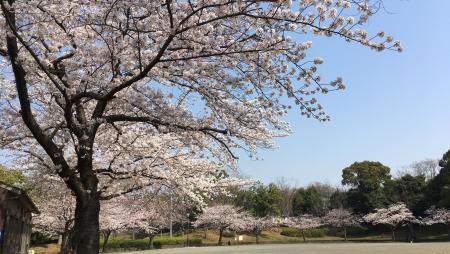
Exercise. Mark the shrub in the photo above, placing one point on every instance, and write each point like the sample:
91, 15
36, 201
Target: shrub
195, 242
315, 232
39, 238
229, 234
157, 244
141, 244
292, 232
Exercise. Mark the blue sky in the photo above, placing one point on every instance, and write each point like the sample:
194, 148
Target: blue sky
396, 108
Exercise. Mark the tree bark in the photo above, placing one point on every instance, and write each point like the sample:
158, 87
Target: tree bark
303, 234
220, 236
257, 237
65, 242
345, 233
151, 239
412, 233
393, 234
106, 235
448, 231
86, 230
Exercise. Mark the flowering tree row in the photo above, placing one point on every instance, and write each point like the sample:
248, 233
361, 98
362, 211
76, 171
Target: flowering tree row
135, 212
226, 217
131, 212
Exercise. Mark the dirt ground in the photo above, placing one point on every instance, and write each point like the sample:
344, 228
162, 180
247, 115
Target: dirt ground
314, 248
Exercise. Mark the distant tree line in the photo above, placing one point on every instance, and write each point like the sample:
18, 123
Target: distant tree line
418, 195
366, 186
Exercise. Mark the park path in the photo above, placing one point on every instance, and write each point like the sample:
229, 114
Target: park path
313, 248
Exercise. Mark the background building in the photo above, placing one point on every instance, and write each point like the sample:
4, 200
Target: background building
15, 220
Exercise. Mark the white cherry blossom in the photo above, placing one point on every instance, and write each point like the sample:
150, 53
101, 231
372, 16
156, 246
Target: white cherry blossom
341, 218
396, 215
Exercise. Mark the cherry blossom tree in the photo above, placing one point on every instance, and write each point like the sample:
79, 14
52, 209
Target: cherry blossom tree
115, 215
57, 211
113, 96
150, 217
256, 225
396, 215
341, 218
438, 216
222, 217
303, 223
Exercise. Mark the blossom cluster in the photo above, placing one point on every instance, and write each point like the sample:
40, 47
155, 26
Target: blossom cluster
395, 215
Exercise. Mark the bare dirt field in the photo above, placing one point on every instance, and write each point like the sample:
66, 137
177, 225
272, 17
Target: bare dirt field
315, 248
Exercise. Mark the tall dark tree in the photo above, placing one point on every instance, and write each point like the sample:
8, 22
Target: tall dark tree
338, 200
366, 180
308, 201
438, 189
266, 200
407, 189
287, 194
260, 200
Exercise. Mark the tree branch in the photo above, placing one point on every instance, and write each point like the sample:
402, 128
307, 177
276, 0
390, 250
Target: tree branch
157, 123
21, 85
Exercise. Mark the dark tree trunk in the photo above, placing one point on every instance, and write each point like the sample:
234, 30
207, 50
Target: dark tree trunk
151, 239
65, 241
220, 236
345, 233
106, 235
393, 234
257, 236
303, 235
411, 233
448, 231
86, 230
187, 237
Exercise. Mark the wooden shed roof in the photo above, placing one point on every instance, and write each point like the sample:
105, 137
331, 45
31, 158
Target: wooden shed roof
22, 196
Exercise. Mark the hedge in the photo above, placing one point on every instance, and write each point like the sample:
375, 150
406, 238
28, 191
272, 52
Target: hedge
315, 232
229, 234
142, 244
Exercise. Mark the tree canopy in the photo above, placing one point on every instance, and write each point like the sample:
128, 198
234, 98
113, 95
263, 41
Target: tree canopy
308, 201
407, 189
366, 180
260, 200
438, 189
12, 177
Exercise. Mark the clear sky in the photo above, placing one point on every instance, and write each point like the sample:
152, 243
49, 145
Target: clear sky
396, 108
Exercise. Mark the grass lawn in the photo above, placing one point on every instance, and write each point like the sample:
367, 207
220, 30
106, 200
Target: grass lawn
314, 248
